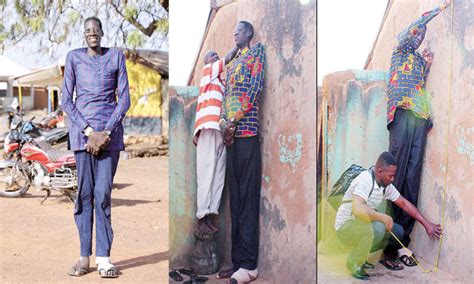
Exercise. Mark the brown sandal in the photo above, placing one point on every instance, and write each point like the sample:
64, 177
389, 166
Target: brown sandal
223, 274
392, 264
78, 270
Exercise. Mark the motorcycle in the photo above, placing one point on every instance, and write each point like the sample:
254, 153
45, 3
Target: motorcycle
52, 120
37, 163
57, 136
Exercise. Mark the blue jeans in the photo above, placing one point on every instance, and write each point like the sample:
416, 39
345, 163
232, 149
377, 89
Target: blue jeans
95, 179
365, 238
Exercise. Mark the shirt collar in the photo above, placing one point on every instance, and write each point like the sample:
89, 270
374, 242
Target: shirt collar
244, 51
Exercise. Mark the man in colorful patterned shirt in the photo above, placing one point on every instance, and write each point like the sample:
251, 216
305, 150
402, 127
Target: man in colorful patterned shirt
244, 85
408, 117
95, 112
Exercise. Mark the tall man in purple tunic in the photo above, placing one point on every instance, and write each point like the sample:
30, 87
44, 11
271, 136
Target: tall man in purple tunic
95, 111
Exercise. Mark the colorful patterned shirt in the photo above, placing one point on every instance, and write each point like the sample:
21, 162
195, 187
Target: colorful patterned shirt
102, 96
408, 72
211, 93
244, 85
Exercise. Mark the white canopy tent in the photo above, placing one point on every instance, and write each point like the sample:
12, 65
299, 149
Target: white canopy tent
9, 69
50, 77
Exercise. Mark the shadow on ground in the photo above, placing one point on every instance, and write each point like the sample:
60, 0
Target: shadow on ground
142, 260
131, 202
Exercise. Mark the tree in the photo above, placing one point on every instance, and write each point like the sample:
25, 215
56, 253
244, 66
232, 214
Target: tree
52, 24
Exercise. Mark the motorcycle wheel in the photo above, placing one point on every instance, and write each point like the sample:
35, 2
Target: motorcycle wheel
20, 181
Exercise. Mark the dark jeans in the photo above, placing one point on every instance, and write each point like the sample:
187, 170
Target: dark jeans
95, 179
407, 143
365, 238
244, 179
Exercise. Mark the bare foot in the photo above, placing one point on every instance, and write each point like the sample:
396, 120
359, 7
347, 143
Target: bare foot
203, 227
211, 224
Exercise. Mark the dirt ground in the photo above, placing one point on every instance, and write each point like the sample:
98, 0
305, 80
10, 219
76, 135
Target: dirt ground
331, 270
39, 243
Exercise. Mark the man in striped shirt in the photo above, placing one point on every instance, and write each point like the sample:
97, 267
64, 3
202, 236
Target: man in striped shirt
210, 152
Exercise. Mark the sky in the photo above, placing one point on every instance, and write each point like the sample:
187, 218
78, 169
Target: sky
25, 53
347, 30
188, 21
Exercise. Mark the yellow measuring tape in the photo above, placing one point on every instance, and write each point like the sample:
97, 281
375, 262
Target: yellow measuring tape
416, 261
446, 141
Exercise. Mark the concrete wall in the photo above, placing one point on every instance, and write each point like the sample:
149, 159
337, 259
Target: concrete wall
449, 158
165, 108
182, 152
353, 108
288, 131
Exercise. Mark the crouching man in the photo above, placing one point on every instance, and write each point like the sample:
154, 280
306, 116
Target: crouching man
361, 227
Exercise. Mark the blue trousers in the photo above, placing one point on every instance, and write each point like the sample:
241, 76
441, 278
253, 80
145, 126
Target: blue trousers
365, 238
95, 179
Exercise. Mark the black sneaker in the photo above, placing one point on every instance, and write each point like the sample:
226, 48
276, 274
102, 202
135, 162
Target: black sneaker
360, 273
367, 265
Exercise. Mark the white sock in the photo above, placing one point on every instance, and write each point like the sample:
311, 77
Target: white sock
253, 273
404, 251
100, 260
244, 275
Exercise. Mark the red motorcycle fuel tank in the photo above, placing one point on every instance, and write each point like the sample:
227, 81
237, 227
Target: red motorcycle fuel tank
33, 153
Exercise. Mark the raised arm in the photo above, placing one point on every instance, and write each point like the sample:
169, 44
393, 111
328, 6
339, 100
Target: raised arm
67, 103
433, 230
406, 37
231, 54
123, 96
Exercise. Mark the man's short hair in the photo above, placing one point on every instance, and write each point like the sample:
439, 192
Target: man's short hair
385, 160
93, 18
248, 26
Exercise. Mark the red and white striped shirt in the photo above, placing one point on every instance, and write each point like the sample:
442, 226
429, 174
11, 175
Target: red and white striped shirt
211, 93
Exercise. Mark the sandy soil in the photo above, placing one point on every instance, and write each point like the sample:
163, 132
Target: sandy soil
39, 243
331, 270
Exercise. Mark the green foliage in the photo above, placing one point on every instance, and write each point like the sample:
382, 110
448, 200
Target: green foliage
36, 23
135, 39
74, 17
3, 37
53, 22
3, 34
130, 12
162, 26
16, 30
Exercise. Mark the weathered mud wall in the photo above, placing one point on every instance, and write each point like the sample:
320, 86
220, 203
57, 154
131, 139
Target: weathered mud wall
288, 130
449, 157
183, 102
352, 109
